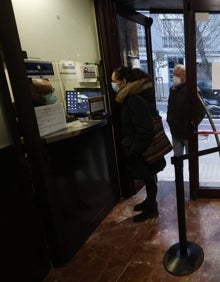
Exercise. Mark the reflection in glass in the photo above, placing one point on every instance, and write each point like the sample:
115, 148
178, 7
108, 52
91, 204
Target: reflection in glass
132, 44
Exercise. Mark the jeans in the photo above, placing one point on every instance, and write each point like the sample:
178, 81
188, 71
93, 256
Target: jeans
179, 144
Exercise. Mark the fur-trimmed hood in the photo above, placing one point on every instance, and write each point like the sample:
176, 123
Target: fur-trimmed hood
132, 88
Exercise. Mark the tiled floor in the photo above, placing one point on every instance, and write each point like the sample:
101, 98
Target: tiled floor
121, 250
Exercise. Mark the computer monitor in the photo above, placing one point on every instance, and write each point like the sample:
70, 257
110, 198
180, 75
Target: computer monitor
97, 107
77, 101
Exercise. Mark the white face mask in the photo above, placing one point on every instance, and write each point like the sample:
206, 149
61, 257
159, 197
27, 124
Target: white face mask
50, 98
115, 87
176, 80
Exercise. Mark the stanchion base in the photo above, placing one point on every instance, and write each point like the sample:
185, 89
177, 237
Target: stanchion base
182, 265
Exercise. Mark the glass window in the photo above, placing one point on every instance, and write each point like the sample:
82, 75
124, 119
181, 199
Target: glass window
132, 44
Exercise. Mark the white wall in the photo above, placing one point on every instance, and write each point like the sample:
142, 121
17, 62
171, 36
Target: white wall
57, 29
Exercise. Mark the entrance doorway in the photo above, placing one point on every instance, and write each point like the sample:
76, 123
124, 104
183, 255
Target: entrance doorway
168, 49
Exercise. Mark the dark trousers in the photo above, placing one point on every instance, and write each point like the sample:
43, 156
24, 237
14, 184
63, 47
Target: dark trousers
151, 188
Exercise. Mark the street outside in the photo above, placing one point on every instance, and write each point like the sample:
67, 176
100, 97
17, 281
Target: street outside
204, 125
209, 172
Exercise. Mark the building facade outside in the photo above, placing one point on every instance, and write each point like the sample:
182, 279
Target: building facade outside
169, 48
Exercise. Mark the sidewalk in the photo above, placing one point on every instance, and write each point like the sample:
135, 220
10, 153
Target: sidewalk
209, 165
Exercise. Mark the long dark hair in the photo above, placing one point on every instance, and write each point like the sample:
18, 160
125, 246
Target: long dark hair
139, 74
131, 74
123, 73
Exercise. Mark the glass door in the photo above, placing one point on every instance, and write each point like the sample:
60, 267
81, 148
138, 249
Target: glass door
132, 41
135, 41
135, 47
208, 81
202, 35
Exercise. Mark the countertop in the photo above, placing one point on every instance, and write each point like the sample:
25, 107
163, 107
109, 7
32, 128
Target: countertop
74, 128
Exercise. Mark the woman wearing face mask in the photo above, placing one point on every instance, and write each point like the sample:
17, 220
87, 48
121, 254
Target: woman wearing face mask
178, 111
136, 95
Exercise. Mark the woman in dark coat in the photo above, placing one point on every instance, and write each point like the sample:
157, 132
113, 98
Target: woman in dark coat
136, 95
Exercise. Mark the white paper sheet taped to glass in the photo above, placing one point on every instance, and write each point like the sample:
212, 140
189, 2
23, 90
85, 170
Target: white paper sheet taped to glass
50, 118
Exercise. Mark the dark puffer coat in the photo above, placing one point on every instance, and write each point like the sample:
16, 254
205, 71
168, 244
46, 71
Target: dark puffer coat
137, 127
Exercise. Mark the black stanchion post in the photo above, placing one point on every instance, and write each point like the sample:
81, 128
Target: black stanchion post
184, 257
180, 205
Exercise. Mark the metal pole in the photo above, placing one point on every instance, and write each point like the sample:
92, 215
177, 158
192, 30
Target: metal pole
178, 163
184, 257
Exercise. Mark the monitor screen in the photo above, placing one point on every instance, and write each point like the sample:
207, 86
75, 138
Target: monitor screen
77, 102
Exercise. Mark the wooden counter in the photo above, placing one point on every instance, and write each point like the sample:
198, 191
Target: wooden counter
74, 128
83, 183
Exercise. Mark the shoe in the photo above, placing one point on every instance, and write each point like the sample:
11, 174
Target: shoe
141, 206
145, 215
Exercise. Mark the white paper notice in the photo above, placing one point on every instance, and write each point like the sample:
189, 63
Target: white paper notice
50, 118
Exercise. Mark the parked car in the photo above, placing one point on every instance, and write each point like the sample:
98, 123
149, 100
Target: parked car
213, 106
211, 97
